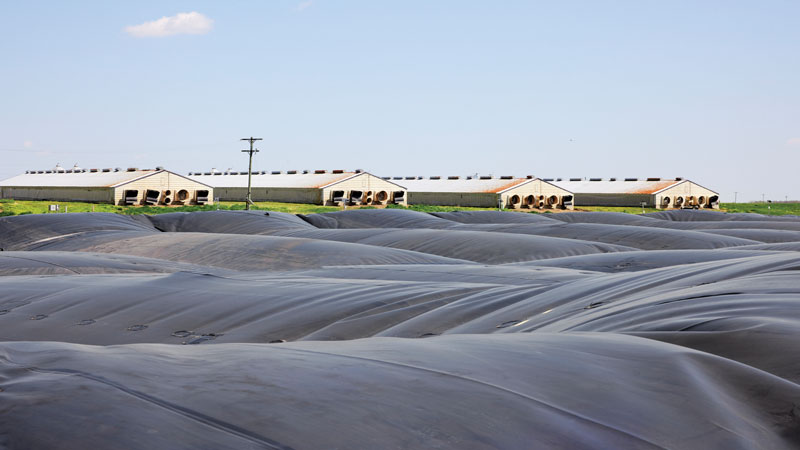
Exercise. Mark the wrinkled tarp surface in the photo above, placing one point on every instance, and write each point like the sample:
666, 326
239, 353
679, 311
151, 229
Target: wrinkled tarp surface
400, 329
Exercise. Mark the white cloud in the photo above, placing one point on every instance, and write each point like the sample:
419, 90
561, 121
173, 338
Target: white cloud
303, 5
27, 144
794, 141
181, 23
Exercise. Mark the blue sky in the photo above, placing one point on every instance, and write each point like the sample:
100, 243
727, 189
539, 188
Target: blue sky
708, 90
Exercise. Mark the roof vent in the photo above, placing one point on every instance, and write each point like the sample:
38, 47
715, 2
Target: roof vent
454, 177
507, 177
435, 178
411, 178
337, 171
654, 179
320, 171
612, 179
233, 173
48, 171
276, 172
159, 167
291, 172
678, 178
359, 170
213, 173
530, 177
595, 179
386, 178
393, 178
106, 170
548, 179
486, 177
559, 179
93, 170
305, 171
132, 169
40, 171
576, 179
631, 179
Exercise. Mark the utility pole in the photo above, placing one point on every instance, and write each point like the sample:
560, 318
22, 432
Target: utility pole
252, 140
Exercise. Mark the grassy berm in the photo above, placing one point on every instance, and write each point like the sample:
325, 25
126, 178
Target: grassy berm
10, 207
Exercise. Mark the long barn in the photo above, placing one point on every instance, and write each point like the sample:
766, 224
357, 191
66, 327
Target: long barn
117, 186
486, 192
319, 187
658, 193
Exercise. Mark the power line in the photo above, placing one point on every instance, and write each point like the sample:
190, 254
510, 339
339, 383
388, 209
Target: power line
252, 140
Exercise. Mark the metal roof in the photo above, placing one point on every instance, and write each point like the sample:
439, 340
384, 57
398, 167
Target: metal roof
277, 180
471, 185
617, 185
82, 178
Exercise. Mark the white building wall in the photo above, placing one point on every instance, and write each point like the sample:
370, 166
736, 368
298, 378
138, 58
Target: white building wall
690, 193
537, 194
163, 182
371, 187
